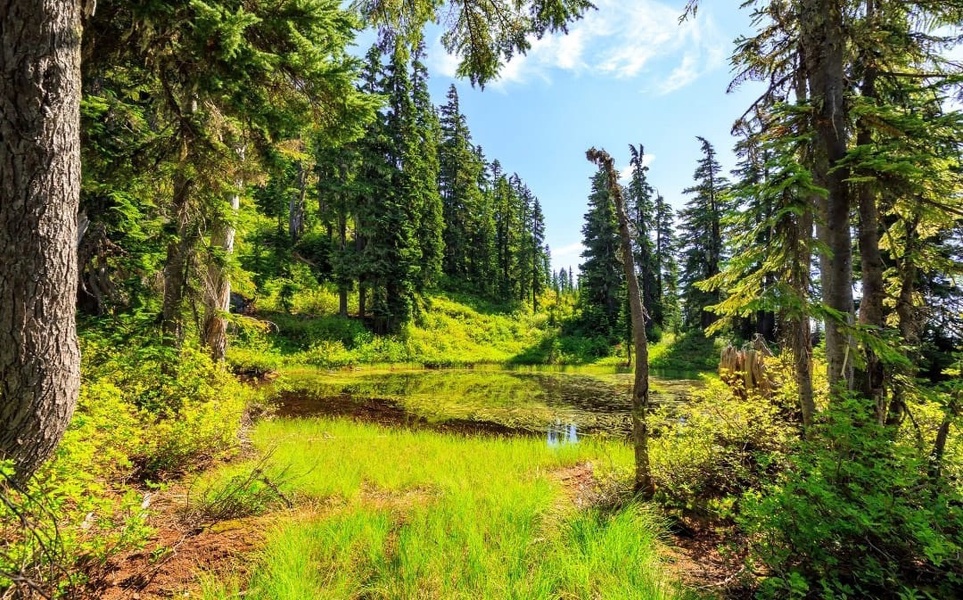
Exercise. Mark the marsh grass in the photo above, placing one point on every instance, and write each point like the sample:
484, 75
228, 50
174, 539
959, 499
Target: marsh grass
419, 514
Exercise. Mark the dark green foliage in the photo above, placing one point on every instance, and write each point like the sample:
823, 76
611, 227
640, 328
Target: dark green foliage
602, 280
461, 170
700, 240
770, 204
666, 266
422, 163
641, 210
857, 516
483, 34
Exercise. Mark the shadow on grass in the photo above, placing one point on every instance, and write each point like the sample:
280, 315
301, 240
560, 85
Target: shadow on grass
689, 352
563, 349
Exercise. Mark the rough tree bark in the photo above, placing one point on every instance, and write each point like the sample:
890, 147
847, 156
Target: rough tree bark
217, 300
644, 485
39, 197
824, 45
871, 312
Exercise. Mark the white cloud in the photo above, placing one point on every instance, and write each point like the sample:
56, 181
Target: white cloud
622, 40
625, 173
442, 62
566, 256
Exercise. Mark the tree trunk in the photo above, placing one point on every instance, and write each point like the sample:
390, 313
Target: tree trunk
800, 335
801, 244
644, 485
909, 321
177, 265
942, 437
217, 293
39, 197
342, 284
824, 45
296, 206
871, 313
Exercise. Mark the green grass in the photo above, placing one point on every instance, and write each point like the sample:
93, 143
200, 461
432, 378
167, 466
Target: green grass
417, 514
449, 334
450, 331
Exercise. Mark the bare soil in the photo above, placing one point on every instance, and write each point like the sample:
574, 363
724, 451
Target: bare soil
169, 564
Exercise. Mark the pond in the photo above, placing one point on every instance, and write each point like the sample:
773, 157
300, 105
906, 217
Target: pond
561, 406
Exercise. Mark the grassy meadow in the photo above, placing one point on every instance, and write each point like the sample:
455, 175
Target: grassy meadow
397, 513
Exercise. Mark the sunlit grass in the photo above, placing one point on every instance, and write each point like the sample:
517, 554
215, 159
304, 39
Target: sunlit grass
415, 514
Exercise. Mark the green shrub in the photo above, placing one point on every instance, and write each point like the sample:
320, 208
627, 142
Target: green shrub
857, 515
144, 411
255, 361
715, 447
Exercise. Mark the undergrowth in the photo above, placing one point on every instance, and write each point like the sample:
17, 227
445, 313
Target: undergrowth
450, 330
145, 414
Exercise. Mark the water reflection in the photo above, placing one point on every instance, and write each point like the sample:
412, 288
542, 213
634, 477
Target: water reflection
559, 434
560, 406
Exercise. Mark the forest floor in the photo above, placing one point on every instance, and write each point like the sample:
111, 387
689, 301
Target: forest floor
179, 554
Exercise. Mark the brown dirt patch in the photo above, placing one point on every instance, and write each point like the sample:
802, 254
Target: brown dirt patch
169, 564
700, 554
580, 485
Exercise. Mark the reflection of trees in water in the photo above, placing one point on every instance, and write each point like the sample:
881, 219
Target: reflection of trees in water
527, 401
559, 434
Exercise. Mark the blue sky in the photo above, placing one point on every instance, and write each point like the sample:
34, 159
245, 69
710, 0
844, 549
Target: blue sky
627, 73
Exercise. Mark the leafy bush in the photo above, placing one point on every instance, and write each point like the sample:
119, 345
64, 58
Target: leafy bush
685, 353
255, 361
144, 411
857, 515
710, 450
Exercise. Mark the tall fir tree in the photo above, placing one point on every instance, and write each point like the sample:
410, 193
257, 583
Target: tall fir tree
665, 247
458, 177
701, 238
423, 163
640, 208
601, 281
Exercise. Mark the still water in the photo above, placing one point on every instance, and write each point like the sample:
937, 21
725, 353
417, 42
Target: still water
560, 406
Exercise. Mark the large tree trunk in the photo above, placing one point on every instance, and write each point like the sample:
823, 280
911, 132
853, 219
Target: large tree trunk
178, 263
217, 299
39, 196
871, 312
823, 43
644, 485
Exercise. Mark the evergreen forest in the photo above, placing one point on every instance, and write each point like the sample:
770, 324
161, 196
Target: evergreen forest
274, 325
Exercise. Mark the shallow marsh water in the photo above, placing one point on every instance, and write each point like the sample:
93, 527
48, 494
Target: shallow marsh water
562, 406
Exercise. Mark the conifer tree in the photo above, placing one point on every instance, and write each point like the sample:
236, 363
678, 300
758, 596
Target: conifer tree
701, 238
458, 177
602, 281
507, 231
538, 269
423, 165
666, 308
638, 198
